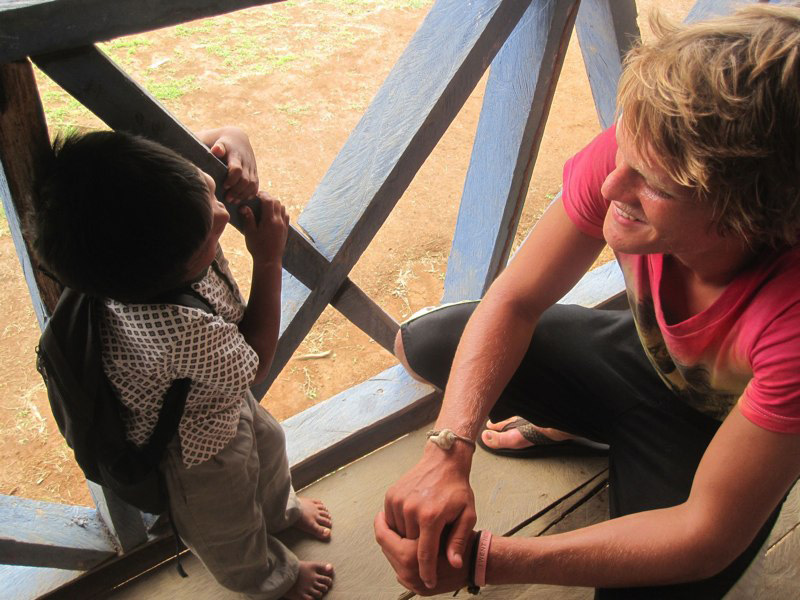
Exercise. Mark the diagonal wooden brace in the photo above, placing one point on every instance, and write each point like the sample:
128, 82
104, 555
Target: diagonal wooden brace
106, 90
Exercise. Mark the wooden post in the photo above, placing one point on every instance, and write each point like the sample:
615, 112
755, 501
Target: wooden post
517, 101
606, 30
23, 136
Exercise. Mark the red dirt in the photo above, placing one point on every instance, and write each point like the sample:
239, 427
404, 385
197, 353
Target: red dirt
298, 118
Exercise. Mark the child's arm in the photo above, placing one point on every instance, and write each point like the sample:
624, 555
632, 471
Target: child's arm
232, 146
265, 241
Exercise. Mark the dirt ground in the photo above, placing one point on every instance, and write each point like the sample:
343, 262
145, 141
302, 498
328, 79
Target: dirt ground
297, 76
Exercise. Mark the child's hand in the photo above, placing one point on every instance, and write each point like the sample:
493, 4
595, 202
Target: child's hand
266, 238
232, 146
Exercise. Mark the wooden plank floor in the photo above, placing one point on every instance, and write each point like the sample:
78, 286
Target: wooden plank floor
508, 493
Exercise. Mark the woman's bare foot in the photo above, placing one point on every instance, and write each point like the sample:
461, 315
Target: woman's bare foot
313, 581
314, 519
494, 436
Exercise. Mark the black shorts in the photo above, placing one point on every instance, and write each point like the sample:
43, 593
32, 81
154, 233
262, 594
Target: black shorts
586, 373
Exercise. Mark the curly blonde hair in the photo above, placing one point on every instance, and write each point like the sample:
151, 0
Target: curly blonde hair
717, 105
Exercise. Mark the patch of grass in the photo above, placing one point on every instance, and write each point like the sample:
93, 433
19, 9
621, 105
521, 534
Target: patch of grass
219, 49
272, 20
206, 26
172, 90
293, 109
411, 4
60, 109
129, 44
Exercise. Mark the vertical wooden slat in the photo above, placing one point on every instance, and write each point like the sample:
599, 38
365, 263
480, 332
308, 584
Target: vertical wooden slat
23, 138
125, 523
515, 108
606, 30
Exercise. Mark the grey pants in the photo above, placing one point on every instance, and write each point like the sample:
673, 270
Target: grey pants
226, 508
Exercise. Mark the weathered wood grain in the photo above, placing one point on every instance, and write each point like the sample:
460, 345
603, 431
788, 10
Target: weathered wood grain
23, 138
30, 583
706, 9
124, 522
351, 424
606, 30
411, 111
597, 286
516, 103
29, 27
507, 492
51, 535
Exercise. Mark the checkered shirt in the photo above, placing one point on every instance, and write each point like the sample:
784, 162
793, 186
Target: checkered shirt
147, 346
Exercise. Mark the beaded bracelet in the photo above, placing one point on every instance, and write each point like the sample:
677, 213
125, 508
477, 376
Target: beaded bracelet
445, 438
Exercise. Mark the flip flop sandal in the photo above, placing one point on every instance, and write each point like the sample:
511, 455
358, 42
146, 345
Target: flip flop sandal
543, 446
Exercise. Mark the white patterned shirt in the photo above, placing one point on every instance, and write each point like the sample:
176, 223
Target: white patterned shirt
147, 346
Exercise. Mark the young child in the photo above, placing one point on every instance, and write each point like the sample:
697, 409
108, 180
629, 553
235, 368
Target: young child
126, 219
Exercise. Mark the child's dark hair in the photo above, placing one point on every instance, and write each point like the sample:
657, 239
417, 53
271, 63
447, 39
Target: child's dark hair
118, 216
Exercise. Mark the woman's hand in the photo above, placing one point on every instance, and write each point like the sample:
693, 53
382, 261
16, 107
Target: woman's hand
402, 555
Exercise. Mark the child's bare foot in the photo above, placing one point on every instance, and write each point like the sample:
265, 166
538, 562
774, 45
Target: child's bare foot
313, 581
314, 519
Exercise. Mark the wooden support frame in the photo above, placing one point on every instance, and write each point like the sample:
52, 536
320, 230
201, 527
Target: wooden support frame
44, 534
373, 169
91, 21
517, 101
606, 30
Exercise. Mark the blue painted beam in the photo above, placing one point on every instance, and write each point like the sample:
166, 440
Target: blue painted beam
29, 27
28, 583
419, 99
606, 30
51, 535
123, 521
349, 425
597, 287
516, 103
708, 9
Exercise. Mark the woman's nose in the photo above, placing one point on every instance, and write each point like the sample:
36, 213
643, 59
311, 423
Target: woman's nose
619, 184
